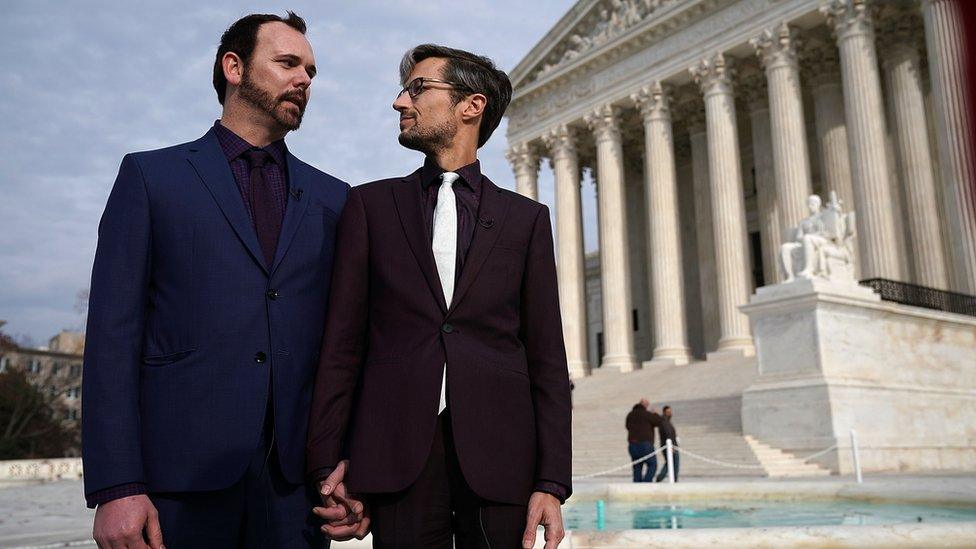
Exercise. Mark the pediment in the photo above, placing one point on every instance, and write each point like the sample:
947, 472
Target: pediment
587, 27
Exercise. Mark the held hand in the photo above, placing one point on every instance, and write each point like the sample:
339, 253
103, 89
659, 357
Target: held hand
120, 524
356, 521
355, 525
329, 485
345, 516
339, 508
543, 509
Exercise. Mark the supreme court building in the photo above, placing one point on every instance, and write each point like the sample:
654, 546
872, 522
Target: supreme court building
706, 124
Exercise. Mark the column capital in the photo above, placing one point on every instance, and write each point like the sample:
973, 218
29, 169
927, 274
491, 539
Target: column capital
523, 157
714, 74
777, 47
604, 121
849, 18
561, 141
654, 102
900, 35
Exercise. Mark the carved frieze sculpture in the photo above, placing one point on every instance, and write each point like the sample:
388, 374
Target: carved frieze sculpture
609, 19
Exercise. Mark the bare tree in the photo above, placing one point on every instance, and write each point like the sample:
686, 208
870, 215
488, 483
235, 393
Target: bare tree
81, 301
32, 415
32, 418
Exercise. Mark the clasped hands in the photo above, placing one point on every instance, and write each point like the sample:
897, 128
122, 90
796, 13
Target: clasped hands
346, 517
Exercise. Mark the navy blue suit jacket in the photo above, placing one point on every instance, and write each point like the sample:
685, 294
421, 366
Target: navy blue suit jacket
187, 326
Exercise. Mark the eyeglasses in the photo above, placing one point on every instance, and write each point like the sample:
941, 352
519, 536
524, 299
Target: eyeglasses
418, 85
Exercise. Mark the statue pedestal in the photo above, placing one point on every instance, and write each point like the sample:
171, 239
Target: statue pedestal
833, 357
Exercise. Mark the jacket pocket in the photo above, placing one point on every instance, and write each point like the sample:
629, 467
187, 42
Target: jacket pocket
511, 244
165, 360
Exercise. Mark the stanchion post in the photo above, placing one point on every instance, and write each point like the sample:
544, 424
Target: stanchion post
857, 457
670, 454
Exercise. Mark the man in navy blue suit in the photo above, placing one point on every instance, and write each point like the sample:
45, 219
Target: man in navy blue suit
208, 296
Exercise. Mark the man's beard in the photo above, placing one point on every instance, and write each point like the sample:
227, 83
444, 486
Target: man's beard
263, 100
429, 140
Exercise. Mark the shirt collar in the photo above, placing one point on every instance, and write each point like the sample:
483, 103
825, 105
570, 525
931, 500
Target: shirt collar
234, 145
470, 174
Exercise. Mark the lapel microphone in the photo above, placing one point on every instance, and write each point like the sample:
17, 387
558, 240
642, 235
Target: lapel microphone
297, 193
486, 222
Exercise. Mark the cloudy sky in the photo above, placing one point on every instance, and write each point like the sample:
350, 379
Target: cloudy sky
82, 83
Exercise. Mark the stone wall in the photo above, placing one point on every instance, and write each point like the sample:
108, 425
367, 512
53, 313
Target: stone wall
833, 359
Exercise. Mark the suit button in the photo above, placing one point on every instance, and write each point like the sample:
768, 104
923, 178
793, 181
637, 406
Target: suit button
272, 294
260, 357
447, 328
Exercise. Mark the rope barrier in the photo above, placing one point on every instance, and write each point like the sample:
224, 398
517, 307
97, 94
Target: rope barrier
700, 458
681, 450
631, 464
820, 453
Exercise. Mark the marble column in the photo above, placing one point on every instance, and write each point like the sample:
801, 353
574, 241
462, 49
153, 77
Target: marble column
822, 70
945, 43
767, 199
835, 159
693, 117
776, 49
900, 59
852, 23
561, 143
663, 227
525, 163
714, 76
618, 329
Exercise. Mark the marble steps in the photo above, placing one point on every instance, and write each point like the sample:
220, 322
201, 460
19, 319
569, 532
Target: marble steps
712, 430
782, 464
706, 398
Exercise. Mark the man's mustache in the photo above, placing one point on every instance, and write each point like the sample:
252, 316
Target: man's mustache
297, 98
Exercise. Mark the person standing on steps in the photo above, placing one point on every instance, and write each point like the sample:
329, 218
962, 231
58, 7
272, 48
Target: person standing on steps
667, 431
640, 440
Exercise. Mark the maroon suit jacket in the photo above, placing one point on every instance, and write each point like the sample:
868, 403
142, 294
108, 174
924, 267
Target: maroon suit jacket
388, 334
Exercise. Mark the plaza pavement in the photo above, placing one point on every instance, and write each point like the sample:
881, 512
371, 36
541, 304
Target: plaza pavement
53, 514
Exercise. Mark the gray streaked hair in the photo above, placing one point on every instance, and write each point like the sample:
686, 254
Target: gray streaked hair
476, 73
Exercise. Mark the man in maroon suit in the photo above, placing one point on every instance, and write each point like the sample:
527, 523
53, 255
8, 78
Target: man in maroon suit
443, 371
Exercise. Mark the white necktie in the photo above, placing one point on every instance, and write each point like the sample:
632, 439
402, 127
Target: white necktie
445, 251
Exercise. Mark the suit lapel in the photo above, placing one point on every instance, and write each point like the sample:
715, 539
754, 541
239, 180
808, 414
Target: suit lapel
491, 218
211, 165
298, 181
406, 195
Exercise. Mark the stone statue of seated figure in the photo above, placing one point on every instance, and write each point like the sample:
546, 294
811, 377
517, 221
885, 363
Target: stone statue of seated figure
823, 245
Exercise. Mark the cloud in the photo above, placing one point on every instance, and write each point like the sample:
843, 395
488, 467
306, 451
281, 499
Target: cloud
81, 84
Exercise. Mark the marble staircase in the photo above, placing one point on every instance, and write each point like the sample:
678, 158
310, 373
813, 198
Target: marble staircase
778, 463
705, 398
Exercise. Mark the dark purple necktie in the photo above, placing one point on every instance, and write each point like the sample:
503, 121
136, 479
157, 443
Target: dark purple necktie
267, 218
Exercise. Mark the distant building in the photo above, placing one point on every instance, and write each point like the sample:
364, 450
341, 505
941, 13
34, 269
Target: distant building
68, 342
55, 370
